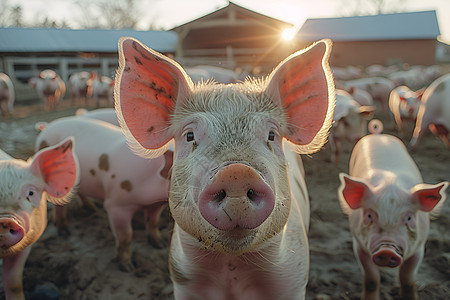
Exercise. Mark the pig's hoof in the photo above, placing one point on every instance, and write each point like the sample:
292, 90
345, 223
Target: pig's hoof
158, 244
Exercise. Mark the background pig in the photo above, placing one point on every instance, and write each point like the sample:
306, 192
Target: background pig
101, 87
25, 187
434, 112
404, 105
349, 122
79, 85
389, 208
238, 234
361, 96
110, 171
378, 87
7, 95
49, 87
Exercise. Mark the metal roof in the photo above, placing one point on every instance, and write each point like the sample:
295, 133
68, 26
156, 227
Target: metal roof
398, 26
90, 40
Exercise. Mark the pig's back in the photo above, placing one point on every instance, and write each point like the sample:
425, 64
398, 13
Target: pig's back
382, 153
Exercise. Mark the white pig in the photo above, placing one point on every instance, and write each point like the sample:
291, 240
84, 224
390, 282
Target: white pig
7, 95
79, 87
404, 105
389, 209
105, 114
25, 187
49, 87
349, 122
434, 112
378, 87
110, 171
238, 199
101, 87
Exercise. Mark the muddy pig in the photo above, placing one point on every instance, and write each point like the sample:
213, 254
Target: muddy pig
110, 171
25, 188
389, 210
237, 196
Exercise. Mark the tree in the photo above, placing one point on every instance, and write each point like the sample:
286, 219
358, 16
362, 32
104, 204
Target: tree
372, 7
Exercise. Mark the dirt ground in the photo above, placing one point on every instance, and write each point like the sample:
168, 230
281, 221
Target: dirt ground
82, 266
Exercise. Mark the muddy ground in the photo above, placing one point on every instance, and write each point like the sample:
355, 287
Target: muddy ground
82, 266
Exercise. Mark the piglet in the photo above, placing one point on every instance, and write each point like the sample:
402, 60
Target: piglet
237, 195
404, 105
7, 95
25, 187
389, 210
111, 172
49, 87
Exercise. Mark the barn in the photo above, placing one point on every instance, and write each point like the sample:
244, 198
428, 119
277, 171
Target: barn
383, 39
233, 37
26, 51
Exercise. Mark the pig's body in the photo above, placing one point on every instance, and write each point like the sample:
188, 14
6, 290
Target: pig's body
7, 95
349, 122
389, 209
378, 87
404, 105
434, 112
104, 114
25, 188
49, 87
79, 85
237, 195
102, 87
110, 171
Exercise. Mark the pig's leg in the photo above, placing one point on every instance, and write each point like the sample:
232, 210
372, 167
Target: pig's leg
371, 290
407, 274
151, 215
13, 274
120, 222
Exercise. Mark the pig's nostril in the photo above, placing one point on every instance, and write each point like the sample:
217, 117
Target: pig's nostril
220, 195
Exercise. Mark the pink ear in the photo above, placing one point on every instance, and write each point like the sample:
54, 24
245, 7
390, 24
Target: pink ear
428, 196
352, 190
148, 85
58, 167
304, 86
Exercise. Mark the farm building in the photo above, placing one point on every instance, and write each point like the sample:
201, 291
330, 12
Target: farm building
232, 37
379, 39
26, 51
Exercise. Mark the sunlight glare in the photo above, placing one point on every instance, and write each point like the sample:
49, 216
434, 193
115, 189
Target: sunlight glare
288, 34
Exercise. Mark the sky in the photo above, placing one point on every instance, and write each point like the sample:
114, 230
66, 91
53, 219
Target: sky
166, 14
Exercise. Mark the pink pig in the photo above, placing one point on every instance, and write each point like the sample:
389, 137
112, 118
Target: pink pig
404, 105
389, 210
238, 198
7, 95
434, 112
25, 187
49, 87
110, 171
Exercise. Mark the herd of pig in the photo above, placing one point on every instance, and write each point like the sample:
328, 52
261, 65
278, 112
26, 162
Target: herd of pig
225, 158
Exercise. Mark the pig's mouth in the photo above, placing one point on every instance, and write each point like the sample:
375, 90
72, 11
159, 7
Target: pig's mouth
387, 254
12, 231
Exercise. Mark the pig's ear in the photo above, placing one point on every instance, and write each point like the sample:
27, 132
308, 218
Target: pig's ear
58, 167
148, 86
428, 196
367, 111
351, 192
304, 86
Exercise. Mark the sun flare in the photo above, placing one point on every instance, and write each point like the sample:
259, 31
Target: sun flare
288, 34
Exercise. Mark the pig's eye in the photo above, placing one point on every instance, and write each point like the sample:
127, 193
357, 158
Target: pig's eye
369, 217
190, 136
30, 193
410, 221
271, 136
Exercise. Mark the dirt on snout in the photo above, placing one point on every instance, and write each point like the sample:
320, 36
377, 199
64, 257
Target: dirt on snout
82, 265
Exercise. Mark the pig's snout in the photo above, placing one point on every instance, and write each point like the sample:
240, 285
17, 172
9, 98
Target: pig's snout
10, 233
237, 198
387, 256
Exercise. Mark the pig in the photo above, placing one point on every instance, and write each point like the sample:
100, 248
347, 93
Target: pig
404, 105
79, 87
349, 122
7, 95
101, 87
361, 96
49, 87
25, 187
434, 112
105, 114
389, 210
111, 172
378, 87
237, 196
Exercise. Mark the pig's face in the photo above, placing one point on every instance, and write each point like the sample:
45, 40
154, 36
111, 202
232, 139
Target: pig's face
207, 142
229, 185
25, 188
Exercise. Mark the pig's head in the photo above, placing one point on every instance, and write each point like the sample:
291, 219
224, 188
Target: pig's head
229, 185
386, 220
25, 188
